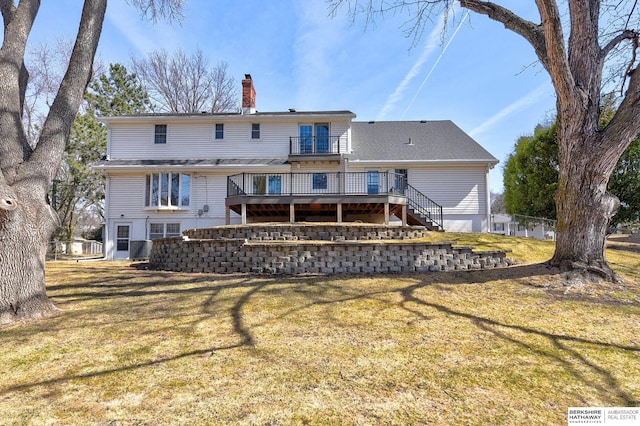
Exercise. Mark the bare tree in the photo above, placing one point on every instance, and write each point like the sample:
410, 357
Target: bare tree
185, 83
574, 53
27, 171
497, 202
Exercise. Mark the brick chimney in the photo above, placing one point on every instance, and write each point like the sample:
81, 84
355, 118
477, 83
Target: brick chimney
248, 95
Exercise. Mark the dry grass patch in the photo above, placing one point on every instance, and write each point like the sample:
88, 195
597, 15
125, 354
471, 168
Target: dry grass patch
498, 347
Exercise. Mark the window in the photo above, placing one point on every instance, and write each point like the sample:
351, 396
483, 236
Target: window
167, 190
322, 138
163, 230
160, 135
319, 181
255, 131
122, 238
373, 182
219, 131
498, 226
275, 184
306, 139
259, 185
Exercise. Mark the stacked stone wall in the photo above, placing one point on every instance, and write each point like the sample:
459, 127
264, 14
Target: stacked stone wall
302, 232
329, 253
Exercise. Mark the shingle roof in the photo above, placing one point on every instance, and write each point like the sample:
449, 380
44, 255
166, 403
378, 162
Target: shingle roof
225, 115
193, 163
414, 141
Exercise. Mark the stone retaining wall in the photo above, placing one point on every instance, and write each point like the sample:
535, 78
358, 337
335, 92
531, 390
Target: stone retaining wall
338, 257
312, 232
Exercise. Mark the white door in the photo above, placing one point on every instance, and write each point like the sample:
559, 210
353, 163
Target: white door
122, 232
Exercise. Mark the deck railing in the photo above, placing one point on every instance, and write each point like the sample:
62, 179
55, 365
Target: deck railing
314, 145
316, 183
334, 184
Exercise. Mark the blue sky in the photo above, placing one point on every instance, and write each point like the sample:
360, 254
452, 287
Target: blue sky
481, 76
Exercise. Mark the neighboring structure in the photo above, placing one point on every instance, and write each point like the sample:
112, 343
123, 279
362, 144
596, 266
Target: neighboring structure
170, 172
523, 226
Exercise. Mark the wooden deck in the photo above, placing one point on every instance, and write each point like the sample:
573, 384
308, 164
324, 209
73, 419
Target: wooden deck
299, 208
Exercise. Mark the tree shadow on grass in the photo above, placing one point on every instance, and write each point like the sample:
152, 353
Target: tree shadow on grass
569, 358
236, 293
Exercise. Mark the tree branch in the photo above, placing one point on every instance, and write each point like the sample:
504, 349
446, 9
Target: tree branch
18, 21
532, 32
622, 129
48, 153
8, 9
557, 65
624, 35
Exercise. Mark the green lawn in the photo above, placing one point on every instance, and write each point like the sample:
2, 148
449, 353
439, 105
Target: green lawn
502, 347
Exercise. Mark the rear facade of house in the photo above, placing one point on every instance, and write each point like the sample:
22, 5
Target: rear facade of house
166, 173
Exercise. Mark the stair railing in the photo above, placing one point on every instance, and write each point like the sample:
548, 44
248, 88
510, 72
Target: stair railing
423, 205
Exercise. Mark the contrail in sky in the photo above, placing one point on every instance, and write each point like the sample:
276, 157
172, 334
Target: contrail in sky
430, 46
435, 64
528, 99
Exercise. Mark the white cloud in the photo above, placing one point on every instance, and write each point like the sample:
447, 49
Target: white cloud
142, 35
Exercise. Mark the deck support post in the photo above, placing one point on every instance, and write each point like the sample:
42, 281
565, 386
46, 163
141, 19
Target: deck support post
339, 213
244, 214
292, 212
404, 215
386, 213
227, 215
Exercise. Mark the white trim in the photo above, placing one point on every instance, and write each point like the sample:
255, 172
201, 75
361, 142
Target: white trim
389, 163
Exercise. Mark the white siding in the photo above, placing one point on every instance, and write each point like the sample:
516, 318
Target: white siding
126, 196
192, 140
341, 129
458, 191
210, 190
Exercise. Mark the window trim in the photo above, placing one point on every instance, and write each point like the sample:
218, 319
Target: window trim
165, 232
218, 134
159, 187
256, 132
160, 138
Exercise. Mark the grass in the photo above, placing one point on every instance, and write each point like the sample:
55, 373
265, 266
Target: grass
499, 347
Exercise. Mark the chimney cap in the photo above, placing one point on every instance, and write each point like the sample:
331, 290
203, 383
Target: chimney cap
247, 76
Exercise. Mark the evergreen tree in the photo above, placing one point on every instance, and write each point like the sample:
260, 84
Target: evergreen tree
531, 176
78, 191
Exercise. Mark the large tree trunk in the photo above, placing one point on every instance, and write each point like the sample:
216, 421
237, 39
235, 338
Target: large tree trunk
584, 209
26, 219
24, 233
587, 153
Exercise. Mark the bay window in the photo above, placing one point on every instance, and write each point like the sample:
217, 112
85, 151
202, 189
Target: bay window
166, 190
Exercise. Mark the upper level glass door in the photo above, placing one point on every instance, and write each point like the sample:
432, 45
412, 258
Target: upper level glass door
322, 137
306, 139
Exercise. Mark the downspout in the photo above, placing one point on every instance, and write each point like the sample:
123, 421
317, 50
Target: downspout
488, 199
106, 241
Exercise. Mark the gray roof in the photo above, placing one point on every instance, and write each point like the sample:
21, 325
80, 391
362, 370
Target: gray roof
193, 163
414, 141
224, 115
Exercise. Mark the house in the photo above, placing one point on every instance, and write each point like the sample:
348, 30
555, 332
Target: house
166, 173
523, 226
